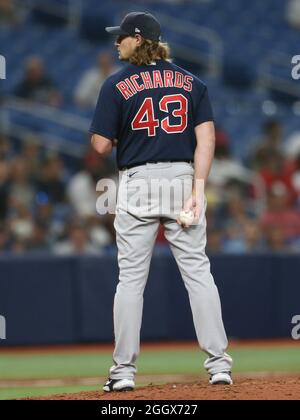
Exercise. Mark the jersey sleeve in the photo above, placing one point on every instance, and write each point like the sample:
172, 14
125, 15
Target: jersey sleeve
106, 116
202, 109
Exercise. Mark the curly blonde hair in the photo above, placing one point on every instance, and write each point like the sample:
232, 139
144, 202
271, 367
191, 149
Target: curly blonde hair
150, 51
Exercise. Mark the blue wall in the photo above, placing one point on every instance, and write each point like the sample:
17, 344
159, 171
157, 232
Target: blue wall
69, 300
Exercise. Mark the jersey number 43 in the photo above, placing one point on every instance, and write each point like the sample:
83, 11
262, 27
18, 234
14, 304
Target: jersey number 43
145, 119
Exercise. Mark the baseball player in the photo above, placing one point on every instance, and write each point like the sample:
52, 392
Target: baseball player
160, 118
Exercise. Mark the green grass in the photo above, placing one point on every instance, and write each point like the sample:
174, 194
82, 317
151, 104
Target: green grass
53, 366
14, 393
18, 366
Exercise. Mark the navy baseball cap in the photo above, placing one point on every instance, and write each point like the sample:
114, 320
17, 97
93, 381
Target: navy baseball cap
140, 23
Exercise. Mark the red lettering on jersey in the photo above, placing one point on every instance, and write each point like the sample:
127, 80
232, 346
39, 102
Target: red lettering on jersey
178, 80
188, 86
157, 79
124, 89
168, 78
131, 86
147, 80
135, 83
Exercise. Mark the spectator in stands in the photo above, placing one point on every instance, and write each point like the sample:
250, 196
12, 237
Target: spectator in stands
36, 85
21, 226
270, 143
5, 148
45, 215
4, 189
278, 214
39, 240
253, 238
294, 245
214, 241
8, 13
233, 242
77, 243
21, 191
225, 168
87, 90
292, 145
296, 179
245, 239
235, 218
82, 194
293, 13
4, 239
215, 201
82, 186
237, 209
101, 230
51, 182
277, 170
31, 152
276, 239
18, 246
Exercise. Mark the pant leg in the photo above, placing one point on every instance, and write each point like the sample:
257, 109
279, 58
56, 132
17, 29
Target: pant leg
135, 240
188, 247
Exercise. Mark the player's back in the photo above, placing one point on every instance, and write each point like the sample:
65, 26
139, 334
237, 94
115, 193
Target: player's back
155, 109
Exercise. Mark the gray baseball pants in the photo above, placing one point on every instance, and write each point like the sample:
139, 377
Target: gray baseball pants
136, 232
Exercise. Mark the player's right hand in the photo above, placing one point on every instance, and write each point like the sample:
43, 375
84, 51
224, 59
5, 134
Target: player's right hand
194, 205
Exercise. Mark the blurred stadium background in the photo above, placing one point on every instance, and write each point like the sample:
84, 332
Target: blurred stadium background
58, 268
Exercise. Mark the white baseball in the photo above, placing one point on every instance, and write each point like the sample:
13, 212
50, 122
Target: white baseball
186, 217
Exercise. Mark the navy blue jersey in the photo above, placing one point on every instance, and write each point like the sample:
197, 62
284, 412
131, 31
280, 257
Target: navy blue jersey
152, 111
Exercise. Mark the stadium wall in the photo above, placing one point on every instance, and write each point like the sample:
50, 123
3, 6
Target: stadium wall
51, 300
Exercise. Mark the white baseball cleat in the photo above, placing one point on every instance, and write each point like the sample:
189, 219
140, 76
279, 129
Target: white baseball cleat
118, 385
222, 378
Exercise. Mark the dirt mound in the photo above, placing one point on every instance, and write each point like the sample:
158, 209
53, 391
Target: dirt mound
269, 388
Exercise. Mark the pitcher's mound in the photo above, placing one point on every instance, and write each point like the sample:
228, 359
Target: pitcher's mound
269, 388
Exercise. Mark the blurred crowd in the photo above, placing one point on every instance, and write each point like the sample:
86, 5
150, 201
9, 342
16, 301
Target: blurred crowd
48, 206
38, 86
255, 206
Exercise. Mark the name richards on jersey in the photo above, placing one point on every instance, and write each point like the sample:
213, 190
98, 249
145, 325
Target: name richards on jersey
157, 79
